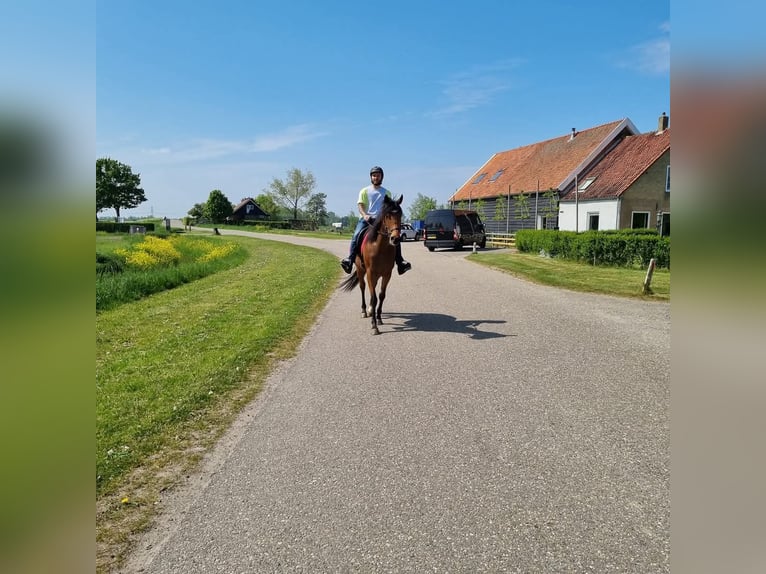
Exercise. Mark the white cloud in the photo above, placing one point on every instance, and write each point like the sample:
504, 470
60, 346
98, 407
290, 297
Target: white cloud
204, 149
474, 88
653, 56
287, 138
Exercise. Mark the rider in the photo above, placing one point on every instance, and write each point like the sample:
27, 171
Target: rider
369, 205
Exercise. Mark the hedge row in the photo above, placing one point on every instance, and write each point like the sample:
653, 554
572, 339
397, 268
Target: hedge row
114, 227
620, 248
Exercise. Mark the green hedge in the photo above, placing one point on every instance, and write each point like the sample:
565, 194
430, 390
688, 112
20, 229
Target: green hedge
114, 227
618, 248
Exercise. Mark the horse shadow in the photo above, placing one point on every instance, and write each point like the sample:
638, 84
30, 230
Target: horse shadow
440, 323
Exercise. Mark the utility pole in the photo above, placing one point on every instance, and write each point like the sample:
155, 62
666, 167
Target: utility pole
577, 207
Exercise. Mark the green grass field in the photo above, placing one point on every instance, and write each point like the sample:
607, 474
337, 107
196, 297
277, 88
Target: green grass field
174, 368
619, 281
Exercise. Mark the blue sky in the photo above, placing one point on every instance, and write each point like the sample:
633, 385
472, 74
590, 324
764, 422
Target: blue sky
229, 95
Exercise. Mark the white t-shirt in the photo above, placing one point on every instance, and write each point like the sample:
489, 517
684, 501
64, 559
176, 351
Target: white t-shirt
372, 199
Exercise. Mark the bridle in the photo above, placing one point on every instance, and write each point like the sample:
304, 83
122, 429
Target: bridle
388, 231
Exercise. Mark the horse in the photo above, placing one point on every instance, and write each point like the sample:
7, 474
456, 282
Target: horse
375, 259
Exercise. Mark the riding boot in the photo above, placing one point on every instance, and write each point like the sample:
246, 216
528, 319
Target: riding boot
402, 266
348, 262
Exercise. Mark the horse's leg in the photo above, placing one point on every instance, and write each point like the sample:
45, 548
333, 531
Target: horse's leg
372, 284
383, 284
360, 278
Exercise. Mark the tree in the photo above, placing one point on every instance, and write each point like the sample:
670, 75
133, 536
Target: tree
316, 208
500, 212
197, 211
218, 206
552, 208
479, 206
266, 203
421, 205
294, 191
522, 207
117, 186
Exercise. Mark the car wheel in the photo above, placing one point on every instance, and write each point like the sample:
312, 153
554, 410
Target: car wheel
431, 248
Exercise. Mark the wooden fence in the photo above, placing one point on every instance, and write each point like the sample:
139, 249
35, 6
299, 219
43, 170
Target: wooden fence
501, 239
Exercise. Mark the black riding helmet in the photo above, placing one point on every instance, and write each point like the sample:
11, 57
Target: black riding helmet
376, 169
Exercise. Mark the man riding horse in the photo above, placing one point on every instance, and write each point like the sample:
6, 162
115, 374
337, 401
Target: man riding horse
369, 205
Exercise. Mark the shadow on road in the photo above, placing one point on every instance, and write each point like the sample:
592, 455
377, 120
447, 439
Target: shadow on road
440, 323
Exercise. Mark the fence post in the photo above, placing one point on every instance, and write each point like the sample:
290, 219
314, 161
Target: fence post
647, 290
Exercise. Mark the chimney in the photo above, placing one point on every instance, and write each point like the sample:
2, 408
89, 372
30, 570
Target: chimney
662, 123
574, 133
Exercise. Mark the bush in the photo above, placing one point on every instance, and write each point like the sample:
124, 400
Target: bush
618, 248
115, 227
109, 263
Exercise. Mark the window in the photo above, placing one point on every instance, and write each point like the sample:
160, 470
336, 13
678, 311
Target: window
593, 221
498, 173
667, 180
584, 185
640, 220
481, 176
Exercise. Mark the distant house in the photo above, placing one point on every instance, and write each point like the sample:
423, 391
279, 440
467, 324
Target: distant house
521, 188
248, 210
628, 189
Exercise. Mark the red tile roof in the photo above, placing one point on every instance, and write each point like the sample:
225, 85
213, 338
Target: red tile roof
623, 165
544, 165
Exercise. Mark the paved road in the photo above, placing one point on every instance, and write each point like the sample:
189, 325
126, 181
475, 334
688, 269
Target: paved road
493, 426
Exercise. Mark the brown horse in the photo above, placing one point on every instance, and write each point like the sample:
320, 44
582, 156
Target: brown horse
375, 259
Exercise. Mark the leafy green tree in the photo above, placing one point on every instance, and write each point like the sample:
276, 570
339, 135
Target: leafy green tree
500, 209
197, 211
552, 207
218, 206
267, 204
316, 208
294, 191
117, 186
479, 206
421, 206
522, 207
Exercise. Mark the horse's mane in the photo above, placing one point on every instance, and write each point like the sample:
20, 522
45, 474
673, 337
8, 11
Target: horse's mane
389, 207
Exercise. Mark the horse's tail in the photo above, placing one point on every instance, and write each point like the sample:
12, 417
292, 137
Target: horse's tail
350, 282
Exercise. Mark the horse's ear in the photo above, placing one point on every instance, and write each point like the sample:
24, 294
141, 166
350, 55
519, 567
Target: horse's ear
399, 200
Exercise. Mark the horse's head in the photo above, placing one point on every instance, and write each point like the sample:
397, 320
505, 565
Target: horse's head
391, 219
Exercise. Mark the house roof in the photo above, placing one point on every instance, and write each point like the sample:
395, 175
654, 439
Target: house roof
623, 165
244, 202
550, 164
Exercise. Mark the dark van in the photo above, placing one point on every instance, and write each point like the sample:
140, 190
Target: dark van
453, 228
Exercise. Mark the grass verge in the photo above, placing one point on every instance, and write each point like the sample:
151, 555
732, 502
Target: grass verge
619, 281
174, 369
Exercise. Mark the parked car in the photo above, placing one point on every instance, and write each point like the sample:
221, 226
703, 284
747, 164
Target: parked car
408, 232
453, 229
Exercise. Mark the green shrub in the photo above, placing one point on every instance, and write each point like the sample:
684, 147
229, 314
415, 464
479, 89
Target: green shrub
115, 227
617, 248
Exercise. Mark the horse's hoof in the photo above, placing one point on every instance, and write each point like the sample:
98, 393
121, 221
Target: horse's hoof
375, 331
364, 315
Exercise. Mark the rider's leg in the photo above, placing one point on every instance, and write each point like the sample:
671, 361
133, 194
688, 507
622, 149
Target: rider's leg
348, 262
402, 266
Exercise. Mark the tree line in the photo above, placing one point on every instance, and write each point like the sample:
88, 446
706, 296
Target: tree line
293, 197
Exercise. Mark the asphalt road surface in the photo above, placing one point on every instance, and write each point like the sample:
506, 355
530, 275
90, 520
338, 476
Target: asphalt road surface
494, 426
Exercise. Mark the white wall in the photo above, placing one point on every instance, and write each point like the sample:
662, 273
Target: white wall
606, 209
